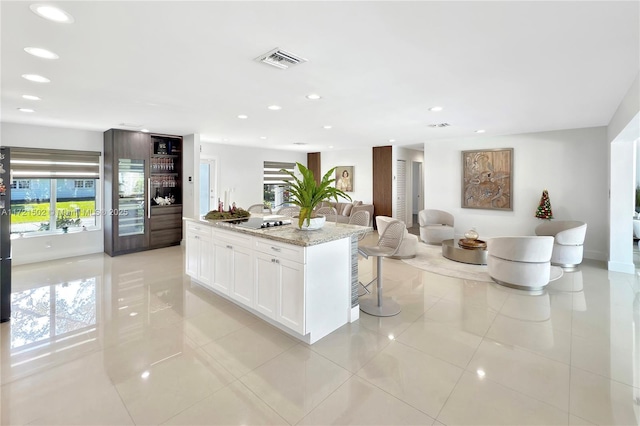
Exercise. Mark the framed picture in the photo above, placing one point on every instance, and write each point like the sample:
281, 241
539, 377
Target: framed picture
344, 178
487, 179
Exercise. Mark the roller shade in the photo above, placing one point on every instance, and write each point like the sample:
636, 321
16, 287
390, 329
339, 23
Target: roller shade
273, 175
36, 163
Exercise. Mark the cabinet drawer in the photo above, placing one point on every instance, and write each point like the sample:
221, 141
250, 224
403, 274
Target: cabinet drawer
166, 237
233, 238
166, 221
196, 228
162, 210
280, 250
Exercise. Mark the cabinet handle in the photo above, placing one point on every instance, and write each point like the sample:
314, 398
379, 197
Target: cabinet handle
229, 247
276, 248
196, 237
277, 261
149, 198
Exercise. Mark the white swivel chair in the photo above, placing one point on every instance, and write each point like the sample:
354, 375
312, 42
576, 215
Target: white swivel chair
568, 241
388, 244
435, 226
409, 245
520, 262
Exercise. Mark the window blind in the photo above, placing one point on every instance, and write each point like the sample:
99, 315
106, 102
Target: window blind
273, 175
36, 163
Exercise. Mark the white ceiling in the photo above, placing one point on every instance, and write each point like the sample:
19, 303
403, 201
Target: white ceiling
187, 67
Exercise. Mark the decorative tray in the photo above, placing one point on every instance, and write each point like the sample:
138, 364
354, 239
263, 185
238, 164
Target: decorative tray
472, 244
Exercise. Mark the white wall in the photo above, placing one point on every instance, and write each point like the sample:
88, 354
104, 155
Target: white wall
54, 246
240, 169
570, 164
362, 161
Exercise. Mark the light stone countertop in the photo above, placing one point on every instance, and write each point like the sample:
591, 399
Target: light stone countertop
289, 234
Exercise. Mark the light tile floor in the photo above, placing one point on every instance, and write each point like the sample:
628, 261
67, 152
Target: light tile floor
130, 340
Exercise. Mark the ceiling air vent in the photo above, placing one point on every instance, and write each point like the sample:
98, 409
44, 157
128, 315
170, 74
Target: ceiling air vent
280, 58
440, 125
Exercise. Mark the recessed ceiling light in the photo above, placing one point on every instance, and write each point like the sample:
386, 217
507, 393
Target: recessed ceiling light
274, 107
31, 97
26, 110
145, 374
35, 77
263, 137
41, 53
436, 108
225, 140
144, 130
328, 126
243, 117
51, 13
331, 146
314, 96
133, 314
480, 131
392, 140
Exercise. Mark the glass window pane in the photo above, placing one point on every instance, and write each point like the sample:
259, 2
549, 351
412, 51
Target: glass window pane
31, 205
75, 203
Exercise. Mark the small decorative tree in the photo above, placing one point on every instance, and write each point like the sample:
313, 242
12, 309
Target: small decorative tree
544, 208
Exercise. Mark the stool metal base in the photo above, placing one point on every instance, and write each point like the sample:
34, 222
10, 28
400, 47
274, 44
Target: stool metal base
388, 307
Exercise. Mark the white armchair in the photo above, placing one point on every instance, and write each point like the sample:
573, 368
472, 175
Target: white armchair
520, 262
409, 245
435, 226
568, 241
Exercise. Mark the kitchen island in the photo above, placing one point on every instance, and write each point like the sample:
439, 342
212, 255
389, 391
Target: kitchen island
303, 282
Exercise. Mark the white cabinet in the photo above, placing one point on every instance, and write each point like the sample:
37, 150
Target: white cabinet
199, 253
280, 284
233, 266
305, 290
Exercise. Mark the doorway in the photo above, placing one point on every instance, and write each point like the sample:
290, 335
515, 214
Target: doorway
416, 190
208, 188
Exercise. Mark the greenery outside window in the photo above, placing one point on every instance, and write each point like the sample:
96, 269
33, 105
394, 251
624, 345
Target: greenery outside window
53, 190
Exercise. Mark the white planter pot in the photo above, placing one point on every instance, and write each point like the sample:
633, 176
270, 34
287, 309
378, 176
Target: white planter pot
314, 223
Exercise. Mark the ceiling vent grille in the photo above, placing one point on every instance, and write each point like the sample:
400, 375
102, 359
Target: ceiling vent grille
440, 125
280, 58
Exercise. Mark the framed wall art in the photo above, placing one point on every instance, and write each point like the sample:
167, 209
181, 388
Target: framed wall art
487, 179
344, 178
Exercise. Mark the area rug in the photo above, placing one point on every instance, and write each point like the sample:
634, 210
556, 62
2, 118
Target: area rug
429, 258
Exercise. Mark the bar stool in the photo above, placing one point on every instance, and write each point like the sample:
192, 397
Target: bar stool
388, 245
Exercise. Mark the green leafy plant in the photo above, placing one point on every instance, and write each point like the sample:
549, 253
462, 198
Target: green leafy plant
638, 199
307, 194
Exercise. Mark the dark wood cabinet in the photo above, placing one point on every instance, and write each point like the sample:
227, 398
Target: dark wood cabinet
143, 191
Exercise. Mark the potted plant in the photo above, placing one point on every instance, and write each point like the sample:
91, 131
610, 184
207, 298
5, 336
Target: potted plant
307, 194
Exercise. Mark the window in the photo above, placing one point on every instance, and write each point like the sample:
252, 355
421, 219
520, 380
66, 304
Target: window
55, 190
276, 184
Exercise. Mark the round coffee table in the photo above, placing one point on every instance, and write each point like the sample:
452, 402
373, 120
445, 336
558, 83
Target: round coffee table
451, 250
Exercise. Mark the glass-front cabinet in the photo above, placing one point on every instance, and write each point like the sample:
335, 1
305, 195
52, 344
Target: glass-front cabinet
131, 197
143, 191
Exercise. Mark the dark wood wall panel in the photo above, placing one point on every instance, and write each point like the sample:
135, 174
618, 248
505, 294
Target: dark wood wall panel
382, 181
314, 164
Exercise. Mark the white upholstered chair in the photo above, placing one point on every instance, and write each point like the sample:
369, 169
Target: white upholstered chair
409, 245
435, 226
568, 241
520, 262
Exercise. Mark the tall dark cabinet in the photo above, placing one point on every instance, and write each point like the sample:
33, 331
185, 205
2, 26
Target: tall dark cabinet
143, 191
